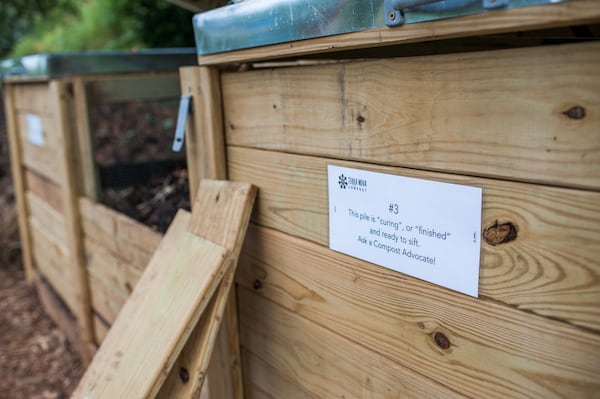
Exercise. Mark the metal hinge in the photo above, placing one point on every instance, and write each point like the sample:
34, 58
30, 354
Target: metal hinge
184, 108
394, 9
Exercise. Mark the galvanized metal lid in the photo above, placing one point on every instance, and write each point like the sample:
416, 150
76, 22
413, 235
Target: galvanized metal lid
57, 65
253, 23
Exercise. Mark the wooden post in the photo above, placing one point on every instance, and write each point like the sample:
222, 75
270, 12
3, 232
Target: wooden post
18, 181
62, 98
205, 146
87, 171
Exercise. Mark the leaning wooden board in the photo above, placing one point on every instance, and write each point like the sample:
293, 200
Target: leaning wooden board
169, 299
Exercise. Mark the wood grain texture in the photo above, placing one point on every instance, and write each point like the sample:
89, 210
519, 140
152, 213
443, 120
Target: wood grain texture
50, 257
125, 238
226, 224
100, 328
44, 189
321, 362
501, 114
539, 17
53, 222
144, 341
61, 98
551, 268
263, 381
33, 98
16, 162
55, 308
206, 159
112, 280
205, 145
474, 347
87, 173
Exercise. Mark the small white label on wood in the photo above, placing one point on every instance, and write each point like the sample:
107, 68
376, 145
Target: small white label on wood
35, 131
426, 229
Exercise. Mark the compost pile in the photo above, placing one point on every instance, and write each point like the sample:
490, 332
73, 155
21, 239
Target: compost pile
36, 361
139, 174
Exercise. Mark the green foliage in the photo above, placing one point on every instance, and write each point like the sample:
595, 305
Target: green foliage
108, 25
18, 17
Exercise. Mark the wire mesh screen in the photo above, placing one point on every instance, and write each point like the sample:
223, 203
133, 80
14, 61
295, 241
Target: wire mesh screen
138, 173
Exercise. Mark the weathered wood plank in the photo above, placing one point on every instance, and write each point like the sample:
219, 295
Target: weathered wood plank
111, 280
54, 307
166, 304
205, 148
263, 381
33, 98
100, 329
49, 218
232, 203
16, 162
551, 267
61, 99
124, 237
539, 17
322, 362
481, 348
87, 173
110, 89
159, 314
44, 189
51, 257
481, 113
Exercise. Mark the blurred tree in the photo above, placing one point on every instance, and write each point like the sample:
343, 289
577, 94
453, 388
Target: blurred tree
19, 17
67, 25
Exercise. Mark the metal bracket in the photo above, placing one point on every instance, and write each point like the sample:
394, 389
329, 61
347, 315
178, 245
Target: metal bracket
394, 9
184, 107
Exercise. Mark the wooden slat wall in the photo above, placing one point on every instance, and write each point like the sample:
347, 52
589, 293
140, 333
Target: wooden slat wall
513, 114
117, 250
506, 121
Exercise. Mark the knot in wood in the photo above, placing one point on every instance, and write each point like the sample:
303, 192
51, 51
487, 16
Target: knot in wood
184, 375
577, 112
500, 233
441, 340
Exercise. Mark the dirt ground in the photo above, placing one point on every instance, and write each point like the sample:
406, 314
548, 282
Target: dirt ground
36, 360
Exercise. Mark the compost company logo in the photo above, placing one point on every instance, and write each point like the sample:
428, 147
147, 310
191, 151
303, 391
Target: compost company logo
352, 183
343, 181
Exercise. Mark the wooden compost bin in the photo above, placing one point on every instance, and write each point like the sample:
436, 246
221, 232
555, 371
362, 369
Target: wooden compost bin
521, 122
83, 257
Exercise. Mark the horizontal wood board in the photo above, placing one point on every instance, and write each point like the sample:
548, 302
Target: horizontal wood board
315, 361
51, 257
124, 237
569, 13
550, 268
44, 189
520, 114
478, 348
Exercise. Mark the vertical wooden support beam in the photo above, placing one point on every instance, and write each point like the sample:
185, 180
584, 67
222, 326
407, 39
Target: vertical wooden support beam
62, 98
205, 146
87, 171
18, 181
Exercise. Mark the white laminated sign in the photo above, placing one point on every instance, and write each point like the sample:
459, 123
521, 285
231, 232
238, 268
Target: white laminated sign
35, 130
426, 229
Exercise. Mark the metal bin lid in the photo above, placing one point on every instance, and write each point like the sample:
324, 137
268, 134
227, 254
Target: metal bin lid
57, 65
252, 23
